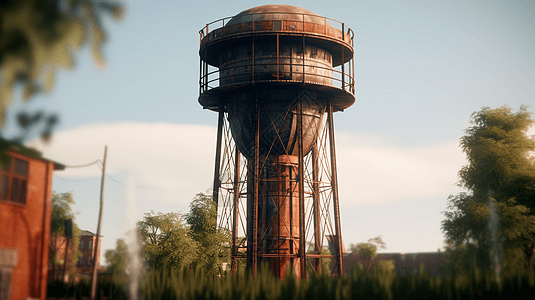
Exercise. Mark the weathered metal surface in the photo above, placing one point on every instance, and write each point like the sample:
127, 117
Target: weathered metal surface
276, 44
285, 19
279, 231
278, 121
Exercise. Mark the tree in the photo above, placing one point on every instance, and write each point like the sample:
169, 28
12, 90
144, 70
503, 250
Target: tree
166, 240
213, 242
37, 37
117, 259
494, 221
366, 252
325, 262
384, 267
61, 211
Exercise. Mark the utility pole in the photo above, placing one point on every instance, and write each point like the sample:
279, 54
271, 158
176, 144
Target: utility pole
94, 266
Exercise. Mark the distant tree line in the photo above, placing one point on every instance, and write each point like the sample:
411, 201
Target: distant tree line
366, 253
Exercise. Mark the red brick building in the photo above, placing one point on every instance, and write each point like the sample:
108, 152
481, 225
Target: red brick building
83, 266
86, 246
25, 207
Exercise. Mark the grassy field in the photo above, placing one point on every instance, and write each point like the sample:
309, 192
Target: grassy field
181, 284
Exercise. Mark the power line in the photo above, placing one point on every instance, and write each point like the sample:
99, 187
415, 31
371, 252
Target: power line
99, 164
136, 186
121, 183
75, 180
83, 166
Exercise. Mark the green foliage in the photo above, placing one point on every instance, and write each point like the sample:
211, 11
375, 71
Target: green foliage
325, 262
166, 240
213, 242
61, 211
499, 176
117, 260
366, 252
385, 267
39, 37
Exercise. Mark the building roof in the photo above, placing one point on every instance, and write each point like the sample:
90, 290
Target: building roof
275, 12
30, 152
87, 232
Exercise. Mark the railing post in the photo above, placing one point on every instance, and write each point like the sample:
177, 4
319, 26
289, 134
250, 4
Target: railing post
343, 60
304, 49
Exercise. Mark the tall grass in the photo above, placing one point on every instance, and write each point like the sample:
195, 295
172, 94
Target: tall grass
171, 284
109, 287
359, 284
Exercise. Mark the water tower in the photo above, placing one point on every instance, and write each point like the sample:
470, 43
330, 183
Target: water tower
276, 74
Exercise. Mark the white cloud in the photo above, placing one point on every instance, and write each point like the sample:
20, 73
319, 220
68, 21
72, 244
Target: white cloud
371, 171
176, 158
173, 159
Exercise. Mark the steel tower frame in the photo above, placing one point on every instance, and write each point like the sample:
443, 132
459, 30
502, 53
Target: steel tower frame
318, 196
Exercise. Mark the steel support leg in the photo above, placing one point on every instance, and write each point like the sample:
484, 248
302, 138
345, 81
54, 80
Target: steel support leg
334, 185
316, 207
252, 198
302, 231
235, 213
217, 179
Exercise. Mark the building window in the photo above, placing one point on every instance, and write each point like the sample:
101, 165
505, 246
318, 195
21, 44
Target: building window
14, 181
8, 261
82, 244
90, 246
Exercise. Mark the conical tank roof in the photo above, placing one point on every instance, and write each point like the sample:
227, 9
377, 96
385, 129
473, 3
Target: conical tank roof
277, 12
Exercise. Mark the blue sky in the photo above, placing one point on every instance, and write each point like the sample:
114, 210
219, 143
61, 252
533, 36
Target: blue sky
422, 67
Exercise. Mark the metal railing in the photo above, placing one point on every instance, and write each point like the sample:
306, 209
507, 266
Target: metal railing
219, 25
237, 75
